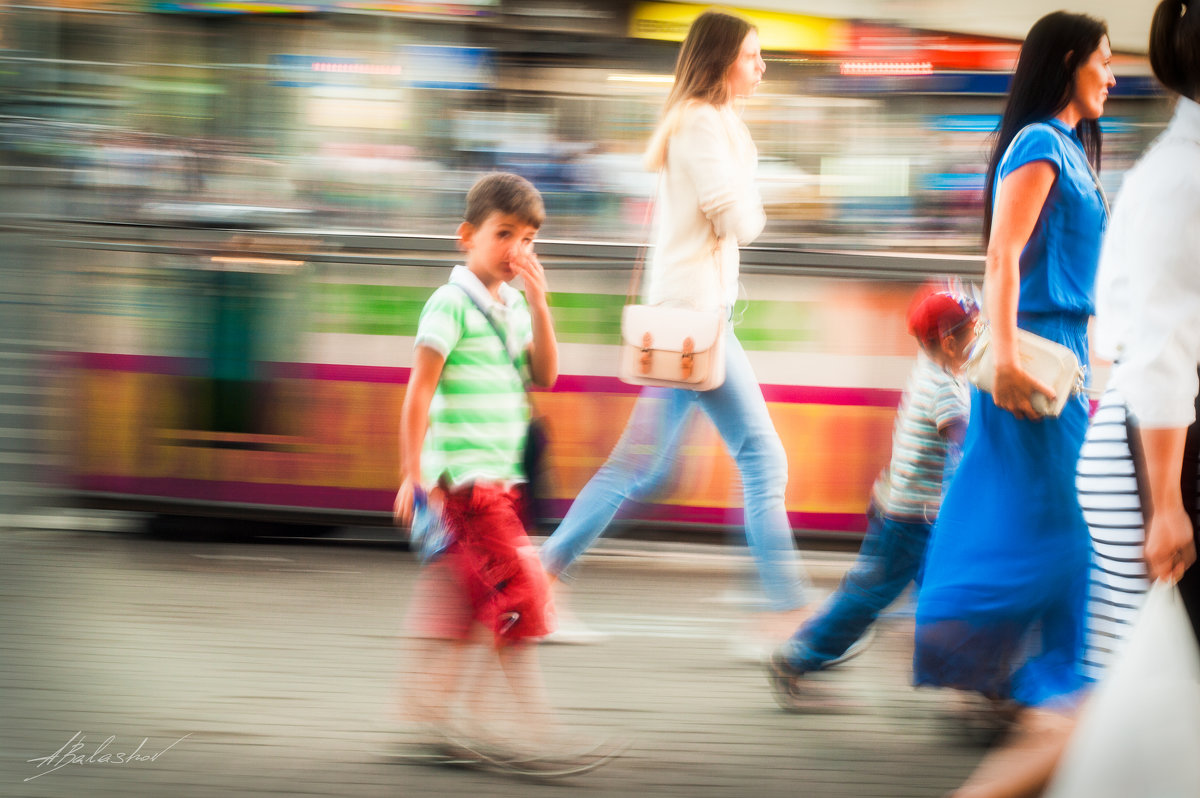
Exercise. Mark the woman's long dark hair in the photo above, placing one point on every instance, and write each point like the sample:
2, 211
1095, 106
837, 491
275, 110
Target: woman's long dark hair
1043, 85
1175, 47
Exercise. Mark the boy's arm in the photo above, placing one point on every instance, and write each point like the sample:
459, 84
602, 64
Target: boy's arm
414, 420
543, 350
951, 411
954, 430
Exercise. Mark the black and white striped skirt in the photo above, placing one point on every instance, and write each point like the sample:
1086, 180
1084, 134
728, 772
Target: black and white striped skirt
1108, 493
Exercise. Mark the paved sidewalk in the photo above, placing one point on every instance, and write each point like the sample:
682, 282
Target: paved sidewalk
275, 670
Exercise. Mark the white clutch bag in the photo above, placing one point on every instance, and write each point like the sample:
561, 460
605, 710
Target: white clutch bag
1048, 361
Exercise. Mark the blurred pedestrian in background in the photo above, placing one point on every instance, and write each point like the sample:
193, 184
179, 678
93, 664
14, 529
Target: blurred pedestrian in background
1148, 315
904, 501
1148, 302
707, 206
1001, 608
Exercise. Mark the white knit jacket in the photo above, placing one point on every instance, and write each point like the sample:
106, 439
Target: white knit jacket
708, 206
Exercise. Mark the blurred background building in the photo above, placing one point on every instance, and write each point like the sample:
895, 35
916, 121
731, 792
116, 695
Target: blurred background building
219, 220
872, 121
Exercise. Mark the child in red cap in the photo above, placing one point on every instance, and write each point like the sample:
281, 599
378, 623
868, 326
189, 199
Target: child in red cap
904, 501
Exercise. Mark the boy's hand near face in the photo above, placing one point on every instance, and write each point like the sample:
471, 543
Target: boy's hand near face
530, 270
543, 351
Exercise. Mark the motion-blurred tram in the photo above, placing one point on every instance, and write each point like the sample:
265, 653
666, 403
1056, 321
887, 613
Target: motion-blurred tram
262, 374
228, 355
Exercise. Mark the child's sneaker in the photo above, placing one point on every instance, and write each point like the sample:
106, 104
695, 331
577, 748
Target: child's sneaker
855, 648
557, 765
785, 680
428, 746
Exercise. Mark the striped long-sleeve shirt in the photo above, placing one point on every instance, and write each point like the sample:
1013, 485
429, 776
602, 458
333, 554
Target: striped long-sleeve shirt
911, 487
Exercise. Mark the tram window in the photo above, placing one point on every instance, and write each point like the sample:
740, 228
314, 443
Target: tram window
243, 312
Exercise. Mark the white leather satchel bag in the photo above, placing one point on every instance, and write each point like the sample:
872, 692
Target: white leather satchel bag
672, 347
1048, 361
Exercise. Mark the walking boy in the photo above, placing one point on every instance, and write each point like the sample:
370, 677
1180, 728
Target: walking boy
462, 435
904, 501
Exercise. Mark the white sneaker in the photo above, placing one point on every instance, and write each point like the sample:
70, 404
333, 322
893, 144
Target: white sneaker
751, 650
570, 629
573, 632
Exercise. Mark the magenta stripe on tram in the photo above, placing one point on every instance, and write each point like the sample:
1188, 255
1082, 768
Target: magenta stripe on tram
567, 383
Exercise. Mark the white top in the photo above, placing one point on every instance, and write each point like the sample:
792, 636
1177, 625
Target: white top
708, 205
1148, 285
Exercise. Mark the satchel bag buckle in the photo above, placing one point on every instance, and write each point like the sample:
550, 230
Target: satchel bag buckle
644, 361
687, 358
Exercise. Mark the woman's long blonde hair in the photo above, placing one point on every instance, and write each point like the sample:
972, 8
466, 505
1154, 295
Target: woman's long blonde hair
712, 45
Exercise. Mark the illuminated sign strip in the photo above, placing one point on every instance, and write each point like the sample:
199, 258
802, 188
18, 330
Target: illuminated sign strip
355, 68
776, 31
887, 68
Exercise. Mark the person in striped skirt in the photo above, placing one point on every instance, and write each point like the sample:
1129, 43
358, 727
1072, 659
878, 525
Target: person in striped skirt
1109, 494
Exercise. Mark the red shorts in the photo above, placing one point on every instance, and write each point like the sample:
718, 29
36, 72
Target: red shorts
496, 563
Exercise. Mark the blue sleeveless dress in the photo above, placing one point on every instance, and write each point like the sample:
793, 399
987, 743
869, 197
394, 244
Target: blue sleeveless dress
1002, 606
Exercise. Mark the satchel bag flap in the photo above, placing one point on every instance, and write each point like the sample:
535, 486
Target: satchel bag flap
668, 327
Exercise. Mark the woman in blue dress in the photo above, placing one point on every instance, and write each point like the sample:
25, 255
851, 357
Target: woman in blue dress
1002, 606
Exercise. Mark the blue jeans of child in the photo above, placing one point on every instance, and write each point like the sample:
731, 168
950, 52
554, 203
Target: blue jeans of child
890, 558
648, 450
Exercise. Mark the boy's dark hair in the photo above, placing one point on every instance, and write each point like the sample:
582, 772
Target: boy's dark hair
506, 193
1042, 85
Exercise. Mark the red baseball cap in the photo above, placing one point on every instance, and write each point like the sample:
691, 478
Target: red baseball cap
935, 314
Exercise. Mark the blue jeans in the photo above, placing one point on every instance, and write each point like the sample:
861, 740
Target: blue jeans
648, 450
890, 558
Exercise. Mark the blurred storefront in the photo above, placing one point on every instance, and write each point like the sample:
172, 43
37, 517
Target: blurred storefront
379, 115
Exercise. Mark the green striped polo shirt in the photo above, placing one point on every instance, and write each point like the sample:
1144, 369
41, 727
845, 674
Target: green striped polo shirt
479, 415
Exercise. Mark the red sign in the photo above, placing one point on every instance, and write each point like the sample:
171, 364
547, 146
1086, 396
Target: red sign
881, 45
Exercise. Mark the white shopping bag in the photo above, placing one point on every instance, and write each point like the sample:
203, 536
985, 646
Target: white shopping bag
1139, 734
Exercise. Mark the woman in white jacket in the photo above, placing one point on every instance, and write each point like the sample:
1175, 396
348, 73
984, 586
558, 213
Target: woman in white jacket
707, 206
1147, 312
1148, 304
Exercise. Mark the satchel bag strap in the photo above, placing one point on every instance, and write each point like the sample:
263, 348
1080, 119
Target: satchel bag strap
631, 296
636, 276
515, 361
